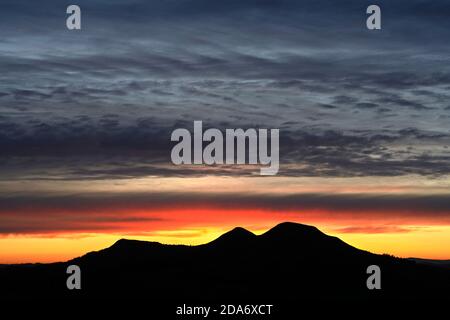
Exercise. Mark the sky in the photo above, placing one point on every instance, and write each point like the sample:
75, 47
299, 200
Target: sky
86, 118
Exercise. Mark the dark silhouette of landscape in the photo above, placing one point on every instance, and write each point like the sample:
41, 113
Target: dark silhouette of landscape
289, 262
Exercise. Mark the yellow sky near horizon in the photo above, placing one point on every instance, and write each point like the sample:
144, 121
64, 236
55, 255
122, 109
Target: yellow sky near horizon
38, 228
426, 242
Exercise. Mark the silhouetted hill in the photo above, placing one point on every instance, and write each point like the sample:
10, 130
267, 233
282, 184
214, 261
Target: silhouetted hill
431, 262
307, 239
289, 262
236, 237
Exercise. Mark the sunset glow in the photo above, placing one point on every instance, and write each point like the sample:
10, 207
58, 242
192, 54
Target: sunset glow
369, 214
359, 123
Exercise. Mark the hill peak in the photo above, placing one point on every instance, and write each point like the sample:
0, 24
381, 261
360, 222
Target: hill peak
124, 242
237, 235
292, 227
127, 244
294, 232
240, 231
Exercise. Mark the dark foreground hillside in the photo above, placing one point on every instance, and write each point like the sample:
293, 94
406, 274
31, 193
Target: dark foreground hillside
289, 262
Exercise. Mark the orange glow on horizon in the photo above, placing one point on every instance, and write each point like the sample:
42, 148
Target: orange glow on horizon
424, 241
59, 231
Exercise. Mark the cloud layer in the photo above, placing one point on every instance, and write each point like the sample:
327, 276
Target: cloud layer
106, 212
102, 102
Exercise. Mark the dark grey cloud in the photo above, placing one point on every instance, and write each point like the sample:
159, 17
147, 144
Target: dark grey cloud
103, 101
86, 148
359, 203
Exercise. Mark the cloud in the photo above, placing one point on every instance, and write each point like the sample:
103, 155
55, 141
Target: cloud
106, 212
111, 147
373, 229
102, 102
